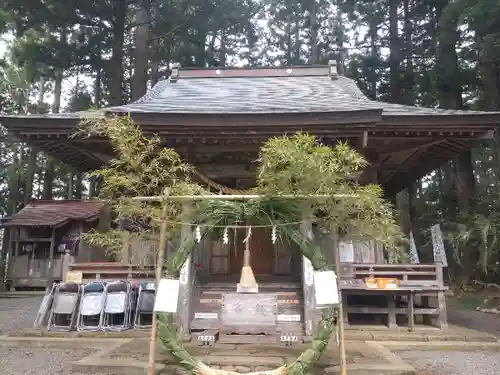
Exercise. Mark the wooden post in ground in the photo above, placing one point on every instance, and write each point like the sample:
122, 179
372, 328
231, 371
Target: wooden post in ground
159, 267
50, 276
340, 317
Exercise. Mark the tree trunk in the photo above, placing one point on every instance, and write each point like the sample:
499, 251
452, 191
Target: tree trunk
92, 187
97, 88
48, 180
313, 20
70, 185
373, 33
340, 42
30, 173
223, 49
200, 55
56, 105
116, 67
141, 54
409, 81
79, 186
449, 87
394, 57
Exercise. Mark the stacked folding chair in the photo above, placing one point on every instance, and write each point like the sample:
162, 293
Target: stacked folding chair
42, 316
91, 312
64, 307
145, 306
118, 306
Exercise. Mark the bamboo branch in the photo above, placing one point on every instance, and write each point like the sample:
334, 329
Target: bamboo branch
237, 197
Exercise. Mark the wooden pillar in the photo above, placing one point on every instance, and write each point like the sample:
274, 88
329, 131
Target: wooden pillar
66, 261
403, 205
342, 317
50, 277
12, 268
308, 282
186, 286
443, 314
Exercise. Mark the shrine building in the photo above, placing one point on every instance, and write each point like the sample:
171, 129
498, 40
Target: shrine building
218, 118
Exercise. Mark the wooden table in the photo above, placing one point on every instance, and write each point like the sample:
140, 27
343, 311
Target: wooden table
410, 291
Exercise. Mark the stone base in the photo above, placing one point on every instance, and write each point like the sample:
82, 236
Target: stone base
247, 288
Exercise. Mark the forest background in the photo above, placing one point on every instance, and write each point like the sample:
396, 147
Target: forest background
71, 56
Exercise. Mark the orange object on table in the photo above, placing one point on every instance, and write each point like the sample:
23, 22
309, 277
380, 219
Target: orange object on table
381, 283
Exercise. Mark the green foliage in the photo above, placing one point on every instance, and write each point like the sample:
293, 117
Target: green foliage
142, 167
298, 165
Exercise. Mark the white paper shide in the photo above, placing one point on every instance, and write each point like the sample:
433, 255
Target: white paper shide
167, 296
326, 288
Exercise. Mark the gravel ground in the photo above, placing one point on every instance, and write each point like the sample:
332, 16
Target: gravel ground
16, 313
453, 362
38, 361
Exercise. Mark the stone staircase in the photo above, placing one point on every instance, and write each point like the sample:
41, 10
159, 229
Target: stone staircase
275, 315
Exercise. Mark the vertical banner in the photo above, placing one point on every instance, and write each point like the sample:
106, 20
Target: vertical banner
308, 271
414, 258
438, 245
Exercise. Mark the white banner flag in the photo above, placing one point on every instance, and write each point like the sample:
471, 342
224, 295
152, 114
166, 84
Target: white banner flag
438, 246
414, 258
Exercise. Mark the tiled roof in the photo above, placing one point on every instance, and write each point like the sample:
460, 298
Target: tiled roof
255, 91
40, 213
258, 94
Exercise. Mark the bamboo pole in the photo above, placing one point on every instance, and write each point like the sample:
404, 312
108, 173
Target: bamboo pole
159, 267
234, 197
340, 318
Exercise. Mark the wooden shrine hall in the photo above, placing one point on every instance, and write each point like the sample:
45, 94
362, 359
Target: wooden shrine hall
218, 118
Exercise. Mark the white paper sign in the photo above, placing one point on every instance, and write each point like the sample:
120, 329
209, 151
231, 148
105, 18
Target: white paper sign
288, 318
308, 271
346, 252
325, 288
184, 273
414, 258
438, 246
167, 296
209, 316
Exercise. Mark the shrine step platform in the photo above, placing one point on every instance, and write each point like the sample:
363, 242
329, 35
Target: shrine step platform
452, 334
273, 315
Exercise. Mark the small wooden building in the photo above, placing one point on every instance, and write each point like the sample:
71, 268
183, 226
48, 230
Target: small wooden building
218, 118
42, 232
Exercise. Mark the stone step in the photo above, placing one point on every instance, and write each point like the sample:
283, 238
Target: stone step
233, 359
248, 339
263, 287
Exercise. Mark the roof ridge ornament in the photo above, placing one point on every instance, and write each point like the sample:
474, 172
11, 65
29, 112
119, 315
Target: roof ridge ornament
332, 70
174, 75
